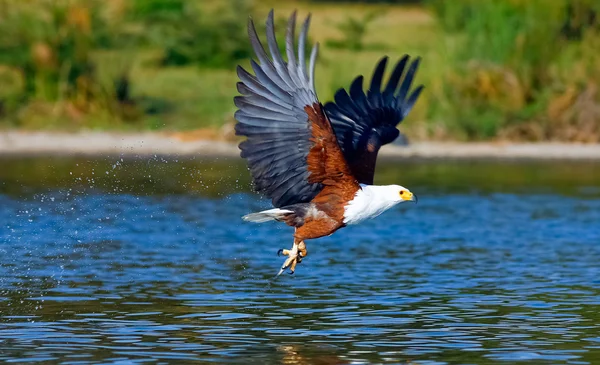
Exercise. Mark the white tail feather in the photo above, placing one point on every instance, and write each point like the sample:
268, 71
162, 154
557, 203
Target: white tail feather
266, 215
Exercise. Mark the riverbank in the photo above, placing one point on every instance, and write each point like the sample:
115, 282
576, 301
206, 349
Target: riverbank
18, 143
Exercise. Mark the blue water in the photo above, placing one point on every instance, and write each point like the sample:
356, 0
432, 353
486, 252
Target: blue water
148, 261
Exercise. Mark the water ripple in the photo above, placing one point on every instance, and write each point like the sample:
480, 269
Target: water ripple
463, 277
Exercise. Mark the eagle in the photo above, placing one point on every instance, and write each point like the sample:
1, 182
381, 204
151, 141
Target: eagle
316, 162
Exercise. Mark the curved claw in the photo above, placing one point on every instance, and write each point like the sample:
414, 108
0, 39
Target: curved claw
291, 272
279, 252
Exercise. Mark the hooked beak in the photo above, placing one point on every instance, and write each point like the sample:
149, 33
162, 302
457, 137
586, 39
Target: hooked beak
407, 196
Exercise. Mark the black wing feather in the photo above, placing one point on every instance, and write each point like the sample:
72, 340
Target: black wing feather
364, 123
271, 115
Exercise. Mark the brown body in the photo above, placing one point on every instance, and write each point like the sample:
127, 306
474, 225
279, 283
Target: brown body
327, 166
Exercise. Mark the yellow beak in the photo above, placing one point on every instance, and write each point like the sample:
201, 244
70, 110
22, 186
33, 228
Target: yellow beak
408, 196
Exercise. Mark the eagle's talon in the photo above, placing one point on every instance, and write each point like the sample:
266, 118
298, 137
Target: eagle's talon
279, 252
294, 256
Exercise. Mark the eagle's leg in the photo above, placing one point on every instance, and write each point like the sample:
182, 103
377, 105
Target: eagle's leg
302, 252
292, 255
295, 256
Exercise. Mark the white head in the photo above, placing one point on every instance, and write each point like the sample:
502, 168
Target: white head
401, 194
392, 194
372, 200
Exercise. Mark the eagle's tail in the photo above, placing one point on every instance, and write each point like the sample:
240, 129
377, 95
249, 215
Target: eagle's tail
267, 215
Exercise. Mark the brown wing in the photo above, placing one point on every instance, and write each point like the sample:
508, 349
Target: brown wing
326, 162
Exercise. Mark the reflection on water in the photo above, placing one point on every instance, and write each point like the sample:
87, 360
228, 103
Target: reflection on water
148, 260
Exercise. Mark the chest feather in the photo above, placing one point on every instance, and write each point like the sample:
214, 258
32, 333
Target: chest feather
365, 205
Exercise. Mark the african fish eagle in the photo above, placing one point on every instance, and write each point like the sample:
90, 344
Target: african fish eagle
316, 163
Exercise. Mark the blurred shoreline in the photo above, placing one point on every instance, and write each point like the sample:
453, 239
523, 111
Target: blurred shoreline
97, 144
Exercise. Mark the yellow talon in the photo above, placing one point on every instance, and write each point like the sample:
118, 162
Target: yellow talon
295, 256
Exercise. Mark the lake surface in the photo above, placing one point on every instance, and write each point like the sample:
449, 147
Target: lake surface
147, 260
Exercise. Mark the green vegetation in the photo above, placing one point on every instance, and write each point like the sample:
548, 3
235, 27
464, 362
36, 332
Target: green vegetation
354, 31
522, 69
188, 35
508, 69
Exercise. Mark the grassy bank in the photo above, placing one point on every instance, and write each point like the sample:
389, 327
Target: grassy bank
170, 65
521, 69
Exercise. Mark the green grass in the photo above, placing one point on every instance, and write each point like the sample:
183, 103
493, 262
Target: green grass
514, 74
203, 97
194, 96
500, 73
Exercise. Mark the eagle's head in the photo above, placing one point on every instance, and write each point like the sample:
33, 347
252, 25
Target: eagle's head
402, 194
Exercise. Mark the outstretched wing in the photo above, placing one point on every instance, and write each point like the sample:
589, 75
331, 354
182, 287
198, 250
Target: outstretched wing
364, 123
283, 121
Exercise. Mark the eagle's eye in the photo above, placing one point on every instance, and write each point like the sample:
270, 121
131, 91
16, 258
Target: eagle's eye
402, 192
